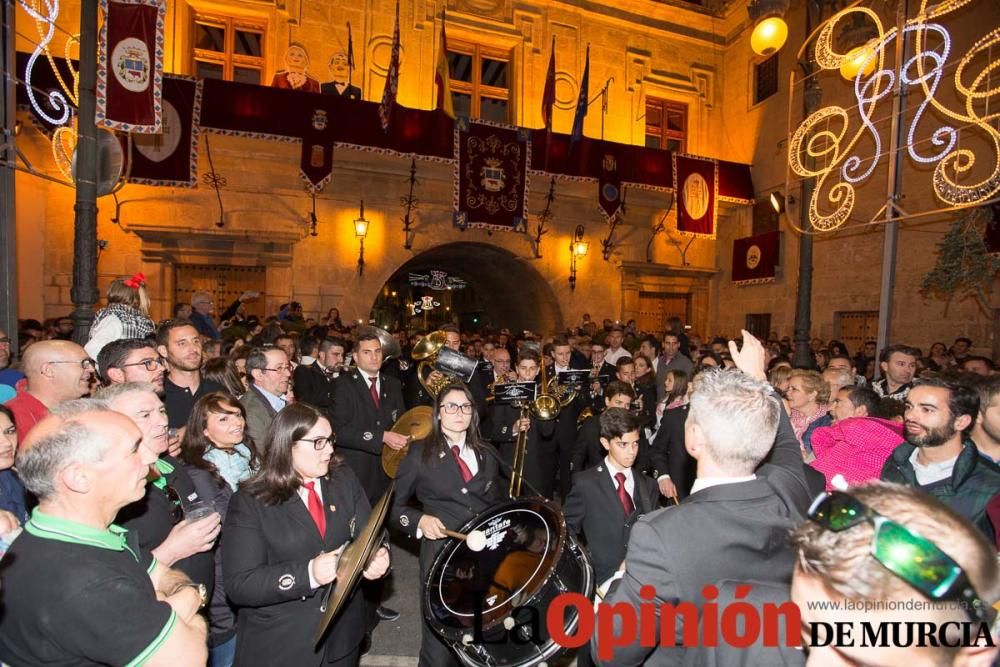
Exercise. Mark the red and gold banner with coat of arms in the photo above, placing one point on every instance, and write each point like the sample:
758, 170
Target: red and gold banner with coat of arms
491, 190
696, 182
130, 65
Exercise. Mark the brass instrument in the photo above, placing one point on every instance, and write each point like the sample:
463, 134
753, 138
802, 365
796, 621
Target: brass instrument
544, 407
434, 356
416, 424
390, 346
564, 393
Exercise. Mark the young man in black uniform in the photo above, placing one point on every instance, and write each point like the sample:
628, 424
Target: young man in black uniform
597, 506
505, 424
453, 476
566, 423
588, 450
77, 589
314, 383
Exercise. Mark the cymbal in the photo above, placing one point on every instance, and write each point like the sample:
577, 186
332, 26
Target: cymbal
353, 561
416, 423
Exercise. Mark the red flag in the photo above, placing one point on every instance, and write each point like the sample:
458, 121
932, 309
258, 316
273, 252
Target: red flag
549, 94
391, 79
130, 66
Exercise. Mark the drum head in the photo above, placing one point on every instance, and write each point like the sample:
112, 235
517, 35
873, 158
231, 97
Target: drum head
524, 540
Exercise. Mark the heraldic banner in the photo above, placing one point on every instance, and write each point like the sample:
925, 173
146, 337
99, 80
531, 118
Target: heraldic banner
609, 186
491, 190
316, 163
130, 65
696, 184
170, 157
755, 258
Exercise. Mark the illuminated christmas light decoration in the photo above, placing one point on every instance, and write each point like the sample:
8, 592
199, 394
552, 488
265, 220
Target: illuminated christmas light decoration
826, 137
56, 100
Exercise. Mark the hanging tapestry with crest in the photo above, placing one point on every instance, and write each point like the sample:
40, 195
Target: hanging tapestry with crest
491, 190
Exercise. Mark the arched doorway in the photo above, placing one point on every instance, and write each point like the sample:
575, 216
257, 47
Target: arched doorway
489, 287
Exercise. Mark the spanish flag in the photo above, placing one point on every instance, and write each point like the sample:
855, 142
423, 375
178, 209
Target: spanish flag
443, 74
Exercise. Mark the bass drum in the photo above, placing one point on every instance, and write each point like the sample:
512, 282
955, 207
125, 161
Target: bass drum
491, 605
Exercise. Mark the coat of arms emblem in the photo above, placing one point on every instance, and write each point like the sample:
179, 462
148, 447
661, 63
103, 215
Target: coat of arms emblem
492, 175
131, 64
319, 121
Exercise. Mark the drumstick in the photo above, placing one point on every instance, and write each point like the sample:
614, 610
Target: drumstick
475, 540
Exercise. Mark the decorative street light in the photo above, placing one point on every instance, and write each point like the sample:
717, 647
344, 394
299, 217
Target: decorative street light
361, 231
578, 247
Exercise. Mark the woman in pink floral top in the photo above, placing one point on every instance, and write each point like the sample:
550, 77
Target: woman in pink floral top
808, 401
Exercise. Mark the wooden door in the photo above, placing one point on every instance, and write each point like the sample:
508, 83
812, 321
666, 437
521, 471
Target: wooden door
224, 283
854, 327
656, 307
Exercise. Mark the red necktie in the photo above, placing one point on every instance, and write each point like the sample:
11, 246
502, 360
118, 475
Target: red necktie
623, 496
463, 467
374, 390
316, 508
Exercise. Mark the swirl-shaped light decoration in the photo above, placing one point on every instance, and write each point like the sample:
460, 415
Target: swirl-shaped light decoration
834, 197
57, 100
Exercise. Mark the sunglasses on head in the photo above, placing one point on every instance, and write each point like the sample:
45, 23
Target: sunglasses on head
911, 557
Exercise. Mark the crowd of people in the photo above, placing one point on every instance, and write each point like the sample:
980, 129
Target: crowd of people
180, 492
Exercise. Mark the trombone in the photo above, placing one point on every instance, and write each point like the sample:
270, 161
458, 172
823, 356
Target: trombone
544, 407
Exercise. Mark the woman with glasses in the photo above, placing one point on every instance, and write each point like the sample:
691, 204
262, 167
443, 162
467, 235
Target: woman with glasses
218, 456
125, 316
13, 511
284, 532
452, 475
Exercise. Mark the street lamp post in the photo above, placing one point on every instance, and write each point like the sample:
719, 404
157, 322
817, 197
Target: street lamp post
84, 288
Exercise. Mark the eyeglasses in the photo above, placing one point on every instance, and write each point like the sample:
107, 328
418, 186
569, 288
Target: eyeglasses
911, 557
87, 364
279, 369
4, 341
150, 364
453, 408
319, 444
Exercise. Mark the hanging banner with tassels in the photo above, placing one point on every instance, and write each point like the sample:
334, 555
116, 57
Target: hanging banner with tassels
170, 157
756, 258
130, 65
609, 186
491, 191
696, 182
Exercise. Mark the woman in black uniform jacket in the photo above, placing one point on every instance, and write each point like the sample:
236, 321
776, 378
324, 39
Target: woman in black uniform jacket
432, 476
277, 560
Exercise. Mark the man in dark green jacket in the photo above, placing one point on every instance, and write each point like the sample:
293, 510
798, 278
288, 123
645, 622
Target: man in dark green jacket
938, 457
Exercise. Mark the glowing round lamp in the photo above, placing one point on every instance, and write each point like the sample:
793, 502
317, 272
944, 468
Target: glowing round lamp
580, 248
769, 35
854, 63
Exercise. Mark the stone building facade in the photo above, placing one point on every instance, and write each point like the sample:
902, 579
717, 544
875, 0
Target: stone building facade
678, 54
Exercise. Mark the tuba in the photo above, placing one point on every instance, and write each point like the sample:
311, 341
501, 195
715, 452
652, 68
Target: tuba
434, 356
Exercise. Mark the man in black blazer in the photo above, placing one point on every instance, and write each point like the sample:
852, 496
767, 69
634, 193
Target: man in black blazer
594, 507
561, 356
736, 521
314, 383
361, 426
672, 465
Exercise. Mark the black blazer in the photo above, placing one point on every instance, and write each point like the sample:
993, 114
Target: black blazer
359, 427
588, 450
540, 462
265, 565
594, 509
435, 483
315, 387
731, 531
667, 454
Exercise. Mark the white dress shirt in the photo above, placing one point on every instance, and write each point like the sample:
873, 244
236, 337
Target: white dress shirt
612, 356
703, 483
277, 402
613, 470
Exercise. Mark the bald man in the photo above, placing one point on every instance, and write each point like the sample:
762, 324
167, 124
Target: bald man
77, 589
55, 371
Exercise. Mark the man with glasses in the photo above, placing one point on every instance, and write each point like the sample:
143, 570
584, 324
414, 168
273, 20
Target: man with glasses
735, 522
908, 555
201, 314
180, 344
8, 376
939, 456
270, 375
132, 360
55, 371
